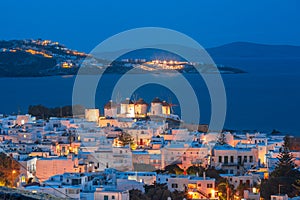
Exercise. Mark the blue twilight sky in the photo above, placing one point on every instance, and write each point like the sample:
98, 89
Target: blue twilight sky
83, 24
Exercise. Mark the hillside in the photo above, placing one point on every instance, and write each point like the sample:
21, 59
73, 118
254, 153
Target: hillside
253, 50
37, 58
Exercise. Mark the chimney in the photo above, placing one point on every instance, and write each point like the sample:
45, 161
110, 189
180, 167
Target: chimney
99, 189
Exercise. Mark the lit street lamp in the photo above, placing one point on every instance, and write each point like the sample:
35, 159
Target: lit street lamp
12, 177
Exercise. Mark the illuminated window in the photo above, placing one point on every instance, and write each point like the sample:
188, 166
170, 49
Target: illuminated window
23, 179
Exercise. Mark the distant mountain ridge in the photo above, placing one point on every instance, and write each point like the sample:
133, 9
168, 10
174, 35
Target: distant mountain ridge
254, 50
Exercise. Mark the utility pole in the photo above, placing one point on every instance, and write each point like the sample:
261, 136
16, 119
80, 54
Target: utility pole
12, 172
227, 190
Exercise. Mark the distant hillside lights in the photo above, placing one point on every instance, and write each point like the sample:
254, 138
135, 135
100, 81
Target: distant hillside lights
37, 47
66, 65
43, 42
35, 52
167, 64
46, 42
161, 64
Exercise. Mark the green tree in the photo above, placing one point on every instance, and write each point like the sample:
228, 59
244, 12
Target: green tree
136, 194
178, 195
225, 189
9, 170
173, 169
285, 165
285, 176
78, 110
194, 170
43, 112
287, 142
240, 189
158, 191
274, 131
125, 139
213, 173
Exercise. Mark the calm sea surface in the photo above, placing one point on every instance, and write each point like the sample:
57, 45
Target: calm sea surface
265, 98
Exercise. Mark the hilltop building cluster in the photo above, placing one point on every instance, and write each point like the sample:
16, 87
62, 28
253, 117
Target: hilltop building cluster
65, 57
105, 157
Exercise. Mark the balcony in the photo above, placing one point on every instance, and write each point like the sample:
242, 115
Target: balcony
229, 164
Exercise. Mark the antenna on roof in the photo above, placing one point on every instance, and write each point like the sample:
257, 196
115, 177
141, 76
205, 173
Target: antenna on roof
118, 98
171, 104
134, 97
19, 110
